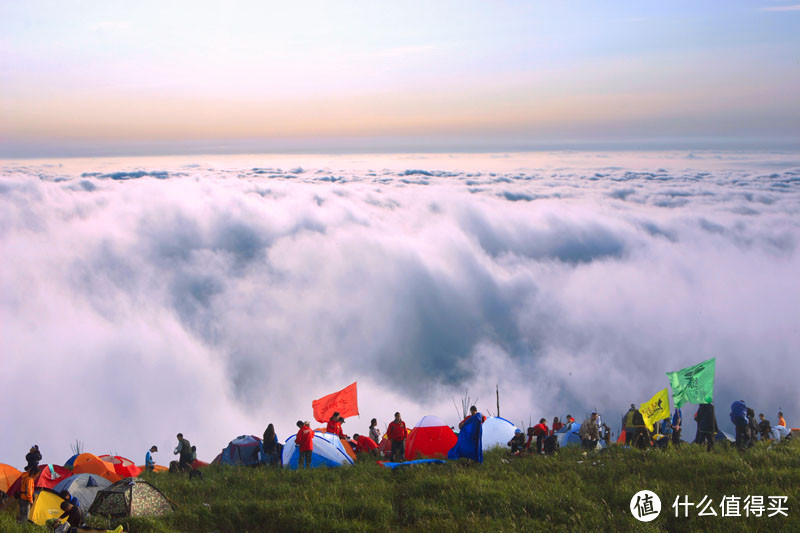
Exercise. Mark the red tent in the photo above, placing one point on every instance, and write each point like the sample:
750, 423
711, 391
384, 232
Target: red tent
123, 467
49, 476
431, 437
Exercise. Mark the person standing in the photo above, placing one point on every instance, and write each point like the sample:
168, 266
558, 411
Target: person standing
627, 424
374, 432
706, 425
184, 453
270, 444
26, 488
305, 442
590, 432
397, 434
540, 431
677, 422
33, 457
149, 462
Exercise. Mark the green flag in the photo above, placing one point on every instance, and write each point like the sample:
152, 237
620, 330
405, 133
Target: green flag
694, 384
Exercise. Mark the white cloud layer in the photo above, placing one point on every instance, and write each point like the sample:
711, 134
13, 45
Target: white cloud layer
141, 298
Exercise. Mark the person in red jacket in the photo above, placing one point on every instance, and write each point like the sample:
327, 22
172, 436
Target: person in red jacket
305, 441
365, 444
334, 425
541, 432
397, 434
556, 425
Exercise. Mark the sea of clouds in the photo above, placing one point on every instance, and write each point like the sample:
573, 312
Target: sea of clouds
142, 297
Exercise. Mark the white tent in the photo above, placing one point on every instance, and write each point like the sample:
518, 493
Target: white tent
497, 431
328, 451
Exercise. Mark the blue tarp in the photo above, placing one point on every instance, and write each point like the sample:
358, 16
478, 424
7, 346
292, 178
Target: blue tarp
387, 464
470, 440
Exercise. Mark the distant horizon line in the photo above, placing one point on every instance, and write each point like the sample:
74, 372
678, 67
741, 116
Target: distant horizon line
354, 146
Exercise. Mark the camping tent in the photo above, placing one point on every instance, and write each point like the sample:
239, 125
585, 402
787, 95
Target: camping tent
86, 463
328, 451
242, 451
84, 487
497, 431
130, 497
8, 475
385, 446
46, 505
122, 467
568, 435
70, 462
49, 476
429, 438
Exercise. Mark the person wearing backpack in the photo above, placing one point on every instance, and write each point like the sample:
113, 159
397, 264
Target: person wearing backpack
739, 419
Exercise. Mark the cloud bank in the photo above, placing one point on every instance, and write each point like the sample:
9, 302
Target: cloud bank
139, 298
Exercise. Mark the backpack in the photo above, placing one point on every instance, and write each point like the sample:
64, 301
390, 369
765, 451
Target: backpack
550, 445
739, 413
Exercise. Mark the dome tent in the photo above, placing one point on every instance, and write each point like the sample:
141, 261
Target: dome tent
84, 487
242, 451
86, 463
497, 431
122, 466
130, 497
328, 451
431, 437
8, 475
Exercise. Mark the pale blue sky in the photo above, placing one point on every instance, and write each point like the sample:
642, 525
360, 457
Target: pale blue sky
124, 77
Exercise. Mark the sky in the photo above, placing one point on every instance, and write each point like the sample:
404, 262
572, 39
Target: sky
142, 78
211, 295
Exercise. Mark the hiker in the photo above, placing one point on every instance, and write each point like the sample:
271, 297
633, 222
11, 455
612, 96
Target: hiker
365, 444
677, 420
270, 444
764, 427
706, 425
335, 425
304, 441
33, 457
780, 431
570, 420
374, 432
517, 442
469, 444
472, 412
752, 427
529, 444
74, 517
69, 498
640, 436
184, 451
25, 492
739, 418
627, 423
590, 432
149, 462
781, 420
397, 434
556, 425
540, 431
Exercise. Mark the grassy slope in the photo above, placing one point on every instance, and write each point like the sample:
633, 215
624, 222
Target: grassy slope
505, 493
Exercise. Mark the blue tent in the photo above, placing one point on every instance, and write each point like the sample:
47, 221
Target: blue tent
70, 462
470, 440
568, 435
84, 487
243, 451
328, 451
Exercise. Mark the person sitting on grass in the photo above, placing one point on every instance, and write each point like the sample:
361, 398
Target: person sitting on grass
589, 432
517, 442
556, 425
764, 427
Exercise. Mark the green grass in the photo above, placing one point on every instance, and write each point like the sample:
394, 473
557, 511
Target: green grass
567, 492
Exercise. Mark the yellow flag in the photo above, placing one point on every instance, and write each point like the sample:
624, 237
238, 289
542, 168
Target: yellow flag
655, 409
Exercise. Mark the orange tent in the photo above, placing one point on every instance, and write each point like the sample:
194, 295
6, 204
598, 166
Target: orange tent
86, 463
8, 475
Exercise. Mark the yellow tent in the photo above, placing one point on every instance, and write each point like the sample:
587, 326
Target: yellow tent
46, 505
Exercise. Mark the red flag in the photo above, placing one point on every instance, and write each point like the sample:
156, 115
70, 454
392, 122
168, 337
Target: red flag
345, 402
